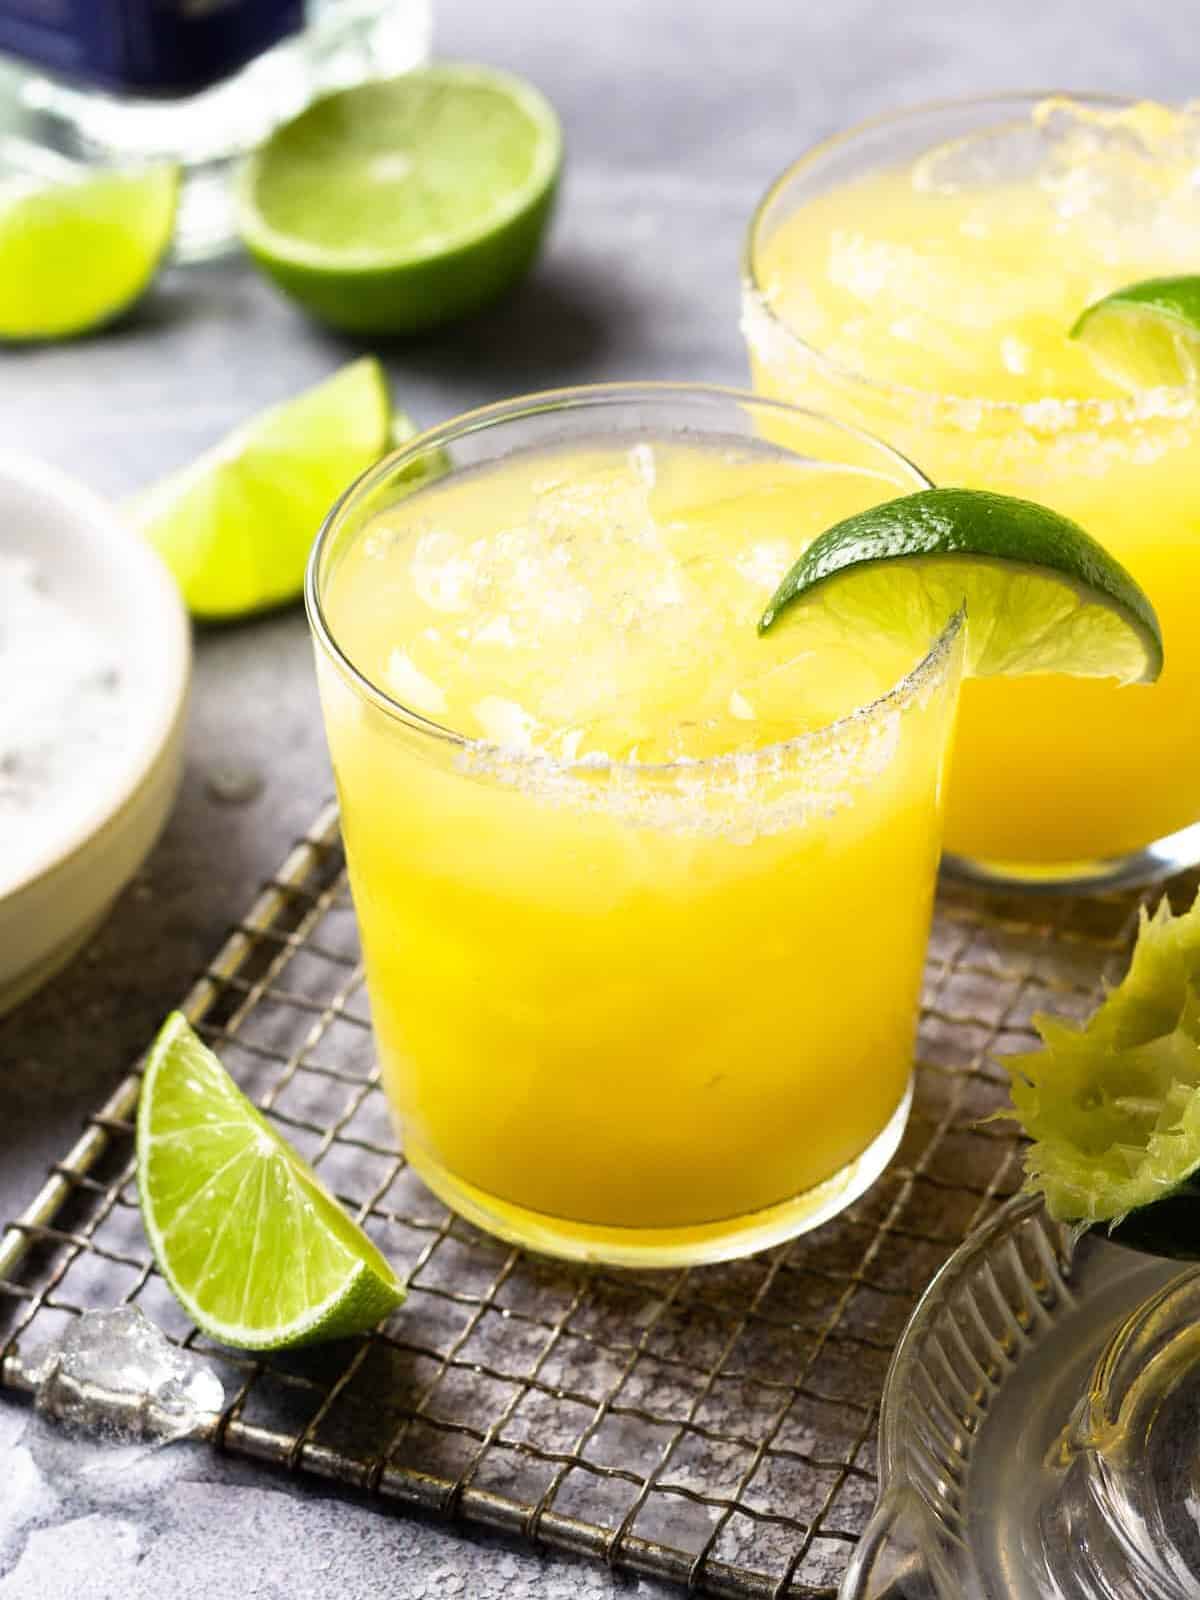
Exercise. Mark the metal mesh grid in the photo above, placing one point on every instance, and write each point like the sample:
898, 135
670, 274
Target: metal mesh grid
715, 1426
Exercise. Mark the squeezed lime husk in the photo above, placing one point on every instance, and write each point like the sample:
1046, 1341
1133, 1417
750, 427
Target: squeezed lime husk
1113, 1106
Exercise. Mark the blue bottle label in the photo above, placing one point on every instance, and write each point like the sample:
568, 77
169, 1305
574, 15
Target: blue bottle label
145, 47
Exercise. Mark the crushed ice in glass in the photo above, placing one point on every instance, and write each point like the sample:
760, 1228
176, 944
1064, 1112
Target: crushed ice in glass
921, 276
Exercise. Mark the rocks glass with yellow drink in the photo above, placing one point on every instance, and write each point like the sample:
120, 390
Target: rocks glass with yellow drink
923, 276
643, 894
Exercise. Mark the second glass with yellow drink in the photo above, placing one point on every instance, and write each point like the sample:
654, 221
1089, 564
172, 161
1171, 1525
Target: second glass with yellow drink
921, 277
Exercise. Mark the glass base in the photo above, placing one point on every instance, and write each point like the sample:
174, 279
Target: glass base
665, 1247
1178, 852
345, 42
1039, 1427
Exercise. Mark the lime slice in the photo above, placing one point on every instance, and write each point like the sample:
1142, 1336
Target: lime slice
75, 253
1147, 335
257, 1252
1040, 594
236, 526
394, 206
1113, 1107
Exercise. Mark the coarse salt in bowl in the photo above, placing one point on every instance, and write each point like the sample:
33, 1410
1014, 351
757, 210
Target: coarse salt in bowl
94, 667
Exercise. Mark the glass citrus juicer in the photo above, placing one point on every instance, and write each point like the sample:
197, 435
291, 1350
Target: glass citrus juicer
1040, 1417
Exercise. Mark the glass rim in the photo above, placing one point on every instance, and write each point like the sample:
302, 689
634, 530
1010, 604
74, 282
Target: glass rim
1092, 410
550, 402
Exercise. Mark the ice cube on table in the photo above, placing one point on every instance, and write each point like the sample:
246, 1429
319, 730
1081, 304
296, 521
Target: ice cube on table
115, 1373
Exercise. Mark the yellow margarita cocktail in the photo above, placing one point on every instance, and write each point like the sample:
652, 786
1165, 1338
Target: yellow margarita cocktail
643, 895
920, 277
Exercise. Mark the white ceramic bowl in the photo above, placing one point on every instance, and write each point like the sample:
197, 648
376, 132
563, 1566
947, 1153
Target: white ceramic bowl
54, 894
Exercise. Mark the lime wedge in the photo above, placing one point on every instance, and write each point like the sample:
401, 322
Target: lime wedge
1147, 335
76, 252
394, 206
235, 527
1113, 1107
257, 1252
1040, 594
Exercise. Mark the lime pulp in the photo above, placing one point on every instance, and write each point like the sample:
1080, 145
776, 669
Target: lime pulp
1113, 1106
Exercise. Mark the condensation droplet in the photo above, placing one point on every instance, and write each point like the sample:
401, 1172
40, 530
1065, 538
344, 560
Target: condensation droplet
233, 784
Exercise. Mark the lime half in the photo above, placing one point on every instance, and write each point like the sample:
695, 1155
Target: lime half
1040, 594
1147, 335
76, 252
257, 1252
1113, 1107
236, 526
394, 206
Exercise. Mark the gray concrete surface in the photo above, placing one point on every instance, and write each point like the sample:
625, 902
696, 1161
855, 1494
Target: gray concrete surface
677, 112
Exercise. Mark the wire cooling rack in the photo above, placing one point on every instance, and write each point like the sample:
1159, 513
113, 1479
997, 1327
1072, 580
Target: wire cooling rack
714, 1426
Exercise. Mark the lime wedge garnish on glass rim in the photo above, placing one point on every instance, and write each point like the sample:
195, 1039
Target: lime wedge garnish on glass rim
1040, 594
1147, 335
79, 246
397, 205
1113, 1106
257, 1252
235, 527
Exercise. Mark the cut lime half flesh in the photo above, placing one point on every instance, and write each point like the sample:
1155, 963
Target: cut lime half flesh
1113, 1106
1147, 335
255, 1249
79, 247
398, 205
236, 526
1040, 594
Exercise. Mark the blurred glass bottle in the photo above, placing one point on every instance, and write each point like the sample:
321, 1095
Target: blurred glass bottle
199, 82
